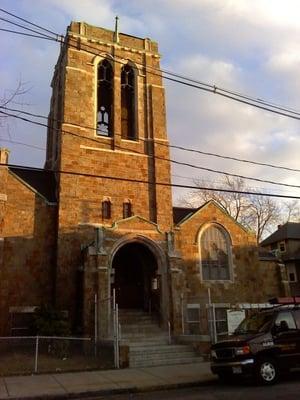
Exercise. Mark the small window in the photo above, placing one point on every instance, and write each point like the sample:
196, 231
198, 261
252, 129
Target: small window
291, 273
106, 209
127, 209
221, 321
282, 247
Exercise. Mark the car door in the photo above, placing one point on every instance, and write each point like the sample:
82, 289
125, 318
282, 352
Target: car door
297, 319
285, 336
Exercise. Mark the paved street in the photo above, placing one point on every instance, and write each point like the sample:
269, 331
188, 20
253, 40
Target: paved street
287, 389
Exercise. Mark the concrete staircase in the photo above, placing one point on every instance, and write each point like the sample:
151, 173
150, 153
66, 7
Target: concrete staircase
149, 344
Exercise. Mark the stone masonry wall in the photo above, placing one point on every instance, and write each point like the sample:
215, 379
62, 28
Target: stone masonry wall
252, 281
26, 273
83, 152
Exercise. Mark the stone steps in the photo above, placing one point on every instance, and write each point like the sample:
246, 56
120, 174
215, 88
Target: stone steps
149, 343
164, 361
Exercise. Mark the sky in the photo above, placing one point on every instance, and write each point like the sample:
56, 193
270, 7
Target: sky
248, 46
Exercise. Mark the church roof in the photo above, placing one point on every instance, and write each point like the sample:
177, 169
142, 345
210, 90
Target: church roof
42, 181
290, 230
180, 213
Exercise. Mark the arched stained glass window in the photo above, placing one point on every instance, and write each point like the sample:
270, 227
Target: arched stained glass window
104, 98
215, 253
128, 129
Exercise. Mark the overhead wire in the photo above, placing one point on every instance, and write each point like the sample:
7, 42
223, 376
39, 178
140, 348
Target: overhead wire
236, 96
157, 157
148, 182
164, 144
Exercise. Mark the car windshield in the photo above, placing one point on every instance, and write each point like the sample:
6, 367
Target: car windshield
256, 323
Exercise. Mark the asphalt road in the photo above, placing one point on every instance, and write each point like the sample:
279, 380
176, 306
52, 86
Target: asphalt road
287, 389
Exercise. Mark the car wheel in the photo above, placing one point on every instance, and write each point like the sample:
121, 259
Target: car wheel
267, 371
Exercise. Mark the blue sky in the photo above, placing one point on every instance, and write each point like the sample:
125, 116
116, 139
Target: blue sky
247, 46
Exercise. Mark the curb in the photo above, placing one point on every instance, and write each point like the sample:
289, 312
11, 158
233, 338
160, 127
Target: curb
106, 392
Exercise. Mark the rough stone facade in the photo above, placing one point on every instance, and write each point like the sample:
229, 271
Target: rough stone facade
69, 252
27, 247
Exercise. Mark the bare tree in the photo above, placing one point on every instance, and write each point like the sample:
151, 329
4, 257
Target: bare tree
258, 213
12, 98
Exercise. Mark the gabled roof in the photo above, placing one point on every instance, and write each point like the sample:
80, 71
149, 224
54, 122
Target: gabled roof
41, 181
179, 213
290, 230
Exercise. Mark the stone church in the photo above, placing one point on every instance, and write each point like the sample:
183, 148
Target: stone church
99, 219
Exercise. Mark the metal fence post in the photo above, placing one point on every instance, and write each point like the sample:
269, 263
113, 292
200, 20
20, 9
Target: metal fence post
182, 313
117, 337
36, 354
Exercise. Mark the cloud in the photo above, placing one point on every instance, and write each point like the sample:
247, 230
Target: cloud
246, 46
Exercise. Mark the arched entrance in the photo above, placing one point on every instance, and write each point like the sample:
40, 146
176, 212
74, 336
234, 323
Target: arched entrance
136, 280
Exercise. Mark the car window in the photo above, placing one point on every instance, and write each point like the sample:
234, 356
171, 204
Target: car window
297, 318
287, 317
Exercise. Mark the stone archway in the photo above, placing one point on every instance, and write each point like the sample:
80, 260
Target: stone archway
135, 277
153, 263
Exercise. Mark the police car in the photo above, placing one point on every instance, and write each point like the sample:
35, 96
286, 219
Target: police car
264, 344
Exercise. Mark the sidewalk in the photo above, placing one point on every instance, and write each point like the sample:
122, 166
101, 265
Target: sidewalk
93, 383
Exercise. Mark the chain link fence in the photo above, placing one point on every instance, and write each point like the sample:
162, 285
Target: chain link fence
37, 354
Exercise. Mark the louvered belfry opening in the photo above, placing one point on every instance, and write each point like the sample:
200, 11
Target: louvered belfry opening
105, 99
128, 130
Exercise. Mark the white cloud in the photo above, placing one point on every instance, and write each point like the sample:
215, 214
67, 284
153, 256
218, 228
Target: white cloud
246, 46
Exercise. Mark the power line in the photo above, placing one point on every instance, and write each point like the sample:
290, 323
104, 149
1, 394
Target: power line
28, 22
244, 99
157, 157
166, 184
22, 144
26, 28
166, 145
27, 34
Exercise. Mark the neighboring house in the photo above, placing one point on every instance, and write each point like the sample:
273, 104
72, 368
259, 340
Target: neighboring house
285, 244
100, 218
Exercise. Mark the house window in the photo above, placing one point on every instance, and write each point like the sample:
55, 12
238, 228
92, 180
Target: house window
106, 209
104, 98
127, 209
291, 273
215, 250
282, 248
128, 103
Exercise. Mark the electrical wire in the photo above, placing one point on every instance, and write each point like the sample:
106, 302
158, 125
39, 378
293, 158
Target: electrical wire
165, 184
157, 157
244, 99
28, 22
27, 34
26, 28
166, 145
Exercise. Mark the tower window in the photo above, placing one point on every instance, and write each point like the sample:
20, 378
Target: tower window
104, 98
128, 103
106, 209
127, 209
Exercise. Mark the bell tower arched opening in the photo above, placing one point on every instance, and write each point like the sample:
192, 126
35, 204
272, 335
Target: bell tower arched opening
136, 281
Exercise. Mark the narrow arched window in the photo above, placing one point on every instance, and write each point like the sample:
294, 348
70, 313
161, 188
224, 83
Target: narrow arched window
128, 128
106, 209
215, 250
104, 98
127, 209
